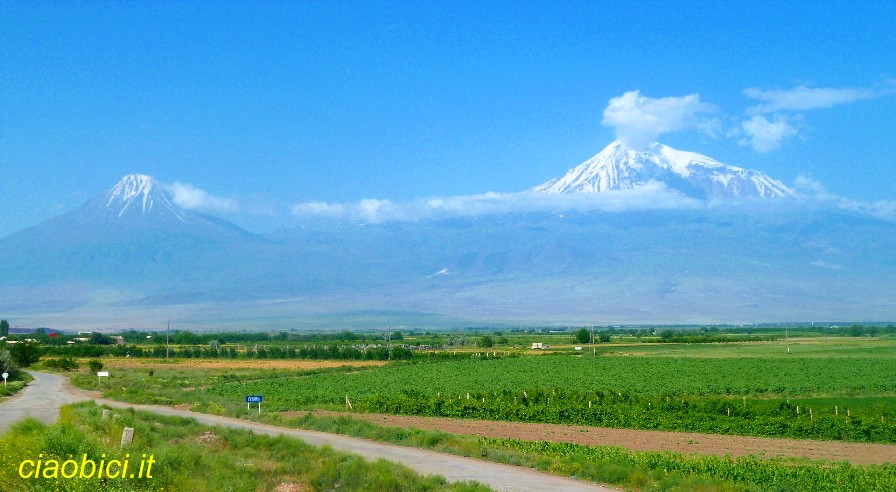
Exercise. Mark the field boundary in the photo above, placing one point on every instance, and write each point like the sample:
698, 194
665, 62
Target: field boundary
862, 454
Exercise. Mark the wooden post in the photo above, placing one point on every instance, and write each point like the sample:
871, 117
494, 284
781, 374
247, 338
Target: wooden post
836, 410
348, 403
105, 413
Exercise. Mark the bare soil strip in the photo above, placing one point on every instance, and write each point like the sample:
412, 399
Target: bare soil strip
640, 440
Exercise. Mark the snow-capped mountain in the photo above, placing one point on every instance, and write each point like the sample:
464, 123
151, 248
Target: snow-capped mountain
140, 194
131, 255
618, 167
130, 240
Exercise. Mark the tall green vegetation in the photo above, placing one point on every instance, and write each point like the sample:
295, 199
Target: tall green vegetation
25, 353
583, 336
4, 328
16, 380
747, 396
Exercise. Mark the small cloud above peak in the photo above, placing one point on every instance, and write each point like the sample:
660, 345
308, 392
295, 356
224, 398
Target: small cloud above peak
640, 120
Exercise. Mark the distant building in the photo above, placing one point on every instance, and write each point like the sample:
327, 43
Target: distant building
119, 340
537, 345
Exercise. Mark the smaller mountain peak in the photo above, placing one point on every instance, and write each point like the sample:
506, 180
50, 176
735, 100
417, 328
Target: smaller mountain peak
141, 194
132, 185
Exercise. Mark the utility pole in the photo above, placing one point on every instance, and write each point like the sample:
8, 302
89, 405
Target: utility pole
389, 340
593, 348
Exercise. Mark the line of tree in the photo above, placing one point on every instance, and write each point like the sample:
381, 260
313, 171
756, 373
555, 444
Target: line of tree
332, 351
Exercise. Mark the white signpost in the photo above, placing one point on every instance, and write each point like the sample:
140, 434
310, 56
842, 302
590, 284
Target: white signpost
5, 375
101, 374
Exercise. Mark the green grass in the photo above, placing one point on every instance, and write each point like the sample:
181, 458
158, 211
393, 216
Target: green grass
13, 386
804, 347
193, 457
716, 393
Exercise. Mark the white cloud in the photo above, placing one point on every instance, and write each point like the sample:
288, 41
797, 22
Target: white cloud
639, 120
191, 197
805, 98
824, 264
764, 135
811, 186
813, 191
653, 195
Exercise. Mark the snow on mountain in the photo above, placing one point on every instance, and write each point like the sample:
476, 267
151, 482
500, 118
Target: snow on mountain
140, 194
618, 167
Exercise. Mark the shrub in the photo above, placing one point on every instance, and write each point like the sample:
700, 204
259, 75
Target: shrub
65, 363
95, 365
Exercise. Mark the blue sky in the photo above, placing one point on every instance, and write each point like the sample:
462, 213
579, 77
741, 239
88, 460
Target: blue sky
262, 106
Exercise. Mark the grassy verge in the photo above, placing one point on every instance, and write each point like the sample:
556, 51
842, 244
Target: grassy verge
14, 386
621, 467
189, 456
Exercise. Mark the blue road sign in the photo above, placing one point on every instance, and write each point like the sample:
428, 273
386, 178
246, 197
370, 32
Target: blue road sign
254, 399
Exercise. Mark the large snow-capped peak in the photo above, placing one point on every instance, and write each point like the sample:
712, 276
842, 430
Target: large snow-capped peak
140, 194
618, 167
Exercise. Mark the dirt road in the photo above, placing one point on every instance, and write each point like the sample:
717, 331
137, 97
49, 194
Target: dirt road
48, 392
41, 399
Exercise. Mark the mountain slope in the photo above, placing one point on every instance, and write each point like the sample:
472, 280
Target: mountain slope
618, 168
123, 245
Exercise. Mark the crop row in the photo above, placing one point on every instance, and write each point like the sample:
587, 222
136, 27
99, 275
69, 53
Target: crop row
763, 474
624, 410
636, 375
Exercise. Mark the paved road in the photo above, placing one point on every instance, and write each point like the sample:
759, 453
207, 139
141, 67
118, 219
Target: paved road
48, 392
41, 399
